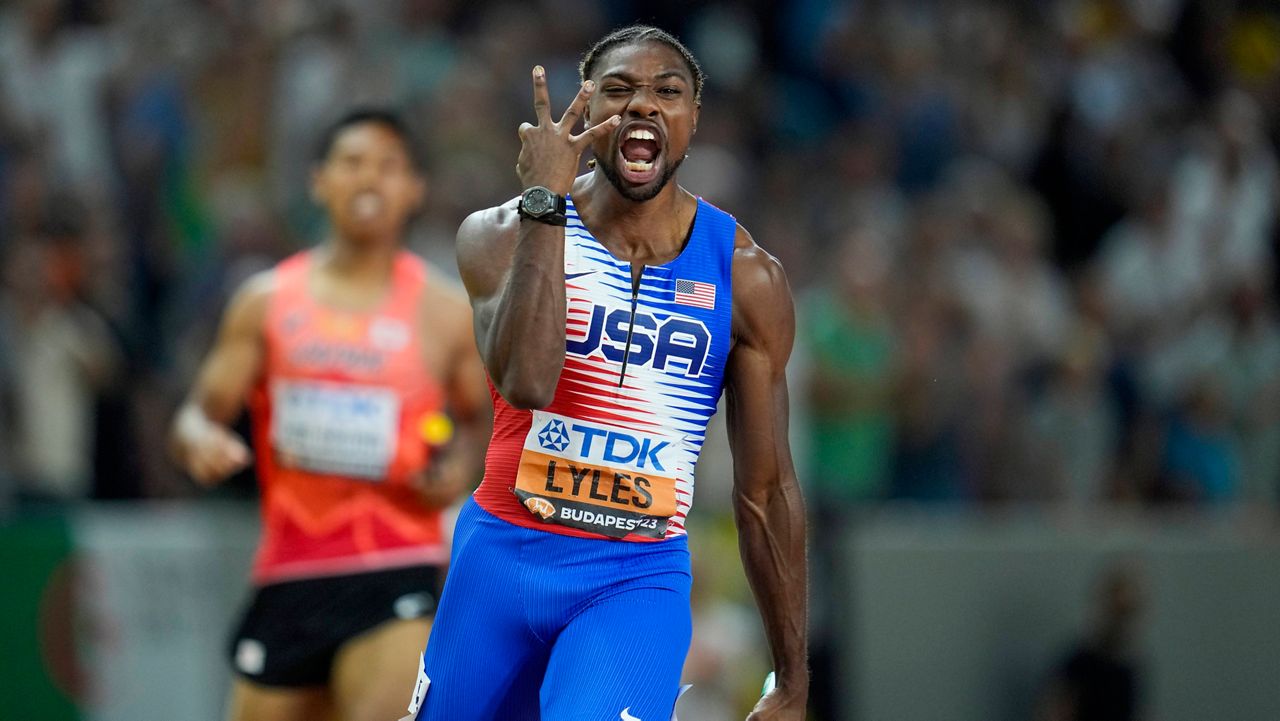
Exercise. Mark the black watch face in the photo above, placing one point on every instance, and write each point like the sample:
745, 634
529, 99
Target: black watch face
538, 201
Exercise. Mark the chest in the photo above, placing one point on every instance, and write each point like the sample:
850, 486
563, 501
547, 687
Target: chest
652, 320
314, 341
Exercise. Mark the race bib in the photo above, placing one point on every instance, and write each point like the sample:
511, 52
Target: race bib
597, 478
335, 428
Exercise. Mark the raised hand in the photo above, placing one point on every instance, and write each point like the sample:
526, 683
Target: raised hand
549, 151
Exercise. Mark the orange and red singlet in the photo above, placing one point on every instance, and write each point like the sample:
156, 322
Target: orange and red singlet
336, 428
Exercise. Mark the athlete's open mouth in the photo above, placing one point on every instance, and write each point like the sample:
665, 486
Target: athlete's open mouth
367, 205
639, 153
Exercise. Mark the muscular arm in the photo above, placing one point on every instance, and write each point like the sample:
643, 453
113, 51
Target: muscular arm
514, 273
514, 269
767, 502
200, 440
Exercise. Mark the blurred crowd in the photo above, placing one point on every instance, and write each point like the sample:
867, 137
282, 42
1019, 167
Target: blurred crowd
1032, 243
1049, 257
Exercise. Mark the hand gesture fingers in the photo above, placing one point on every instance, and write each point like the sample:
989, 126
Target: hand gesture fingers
586, 137
541, 100
574, 111
549, 151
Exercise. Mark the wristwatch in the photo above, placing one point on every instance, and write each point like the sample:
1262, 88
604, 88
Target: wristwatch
540, 204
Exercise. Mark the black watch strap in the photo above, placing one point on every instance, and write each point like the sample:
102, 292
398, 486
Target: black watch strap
540, 204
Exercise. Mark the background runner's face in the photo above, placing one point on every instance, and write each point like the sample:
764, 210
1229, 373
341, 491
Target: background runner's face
368, 183
649, 85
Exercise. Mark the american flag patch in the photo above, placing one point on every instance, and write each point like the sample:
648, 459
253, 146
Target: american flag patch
696, 293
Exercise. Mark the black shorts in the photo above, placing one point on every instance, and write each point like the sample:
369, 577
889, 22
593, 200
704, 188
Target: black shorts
292, 630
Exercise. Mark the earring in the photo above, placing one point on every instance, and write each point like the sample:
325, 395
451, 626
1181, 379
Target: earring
591, 163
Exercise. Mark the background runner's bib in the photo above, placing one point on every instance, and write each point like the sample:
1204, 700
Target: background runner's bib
336, 428
337, 419
614, 454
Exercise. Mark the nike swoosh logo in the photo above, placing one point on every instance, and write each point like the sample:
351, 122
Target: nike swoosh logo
626, 715
571, 276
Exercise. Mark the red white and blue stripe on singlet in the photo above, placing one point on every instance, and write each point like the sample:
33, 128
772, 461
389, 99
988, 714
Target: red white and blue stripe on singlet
615, 452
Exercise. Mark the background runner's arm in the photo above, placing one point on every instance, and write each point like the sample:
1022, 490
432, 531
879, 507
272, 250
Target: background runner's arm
767, 501
468, 406
200, 439
471, 409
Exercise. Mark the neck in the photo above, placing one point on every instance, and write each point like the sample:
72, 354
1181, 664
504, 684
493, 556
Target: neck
631, 224
361, 262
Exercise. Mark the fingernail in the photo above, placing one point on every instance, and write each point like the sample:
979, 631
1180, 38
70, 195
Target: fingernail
538, 71
617, 119
589, 85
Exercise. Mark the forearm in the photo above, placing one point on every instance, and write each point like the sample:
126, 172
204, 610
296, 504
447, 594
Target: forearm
525, 347
771, 536
523, 337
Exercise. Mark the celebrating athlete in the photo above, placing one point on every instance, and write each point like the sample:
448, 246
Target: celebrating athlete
611, 310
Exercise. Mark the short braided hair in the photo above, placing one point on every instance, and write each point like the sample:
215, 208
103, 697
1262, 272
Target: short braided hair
640, 34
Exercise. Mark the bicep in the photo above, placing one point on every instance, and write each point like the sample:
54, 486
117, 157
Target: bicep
234, 363
483, 262
756, 383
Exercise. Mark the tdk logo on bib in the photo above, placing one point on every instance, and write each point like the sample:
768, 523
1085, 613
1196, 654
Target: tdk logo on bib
674, 342
604, 445
553, 436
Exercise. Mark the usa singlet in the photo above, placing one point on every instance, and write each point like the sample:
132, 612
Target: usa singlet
614, 454
563, 624
336, 419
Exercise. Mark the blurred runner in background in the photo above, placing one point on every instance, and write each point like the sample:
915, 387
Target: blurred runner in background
348, 356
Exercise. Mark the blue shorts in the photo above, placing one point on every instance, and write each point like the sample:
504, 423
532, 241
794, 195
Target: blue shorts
545, 627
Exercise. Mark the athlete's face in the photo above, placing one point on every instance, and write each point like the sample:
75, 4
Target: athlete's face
368, 183
651, 88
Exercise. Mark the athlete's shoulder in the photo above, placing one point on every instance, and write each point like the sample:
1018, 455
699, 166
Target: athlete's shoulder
258, 288
754, 268
247, 310
486, 242
763, 308
491, 225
